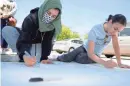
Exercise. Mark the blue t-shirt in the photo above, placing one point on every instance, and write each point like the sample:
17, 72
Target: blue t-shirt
98, 35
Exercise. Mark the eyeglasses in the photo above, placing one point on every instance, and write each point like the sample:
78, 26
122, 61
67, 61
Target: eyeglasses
105, 39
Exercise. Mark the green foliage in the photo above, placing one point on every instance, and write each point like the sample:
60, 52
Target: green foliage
67, 34
86, 36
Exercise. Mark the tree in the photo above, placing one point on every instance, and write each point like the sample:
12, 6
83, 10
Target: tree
86, 36
66, 33
75, 35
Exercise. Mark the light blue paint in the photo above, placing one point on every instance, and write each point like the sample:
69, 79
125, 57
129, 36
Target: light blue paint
64, 74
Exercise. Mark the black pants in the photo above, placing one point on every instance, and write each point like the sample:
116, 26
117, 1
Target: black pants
78, 55
46, 43
3, 42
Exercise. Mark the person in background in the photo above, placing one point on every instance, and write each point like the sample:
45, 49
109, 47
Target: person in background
98, 38
8, 9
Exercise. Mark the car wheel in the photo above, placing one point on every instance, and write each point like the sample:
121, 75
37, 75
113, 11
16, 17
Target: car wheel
71, 49
109, 56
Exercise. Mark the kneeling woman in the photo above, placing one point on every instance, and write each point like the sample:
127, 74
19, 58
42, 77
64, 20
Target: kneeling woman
42, 25
99, 37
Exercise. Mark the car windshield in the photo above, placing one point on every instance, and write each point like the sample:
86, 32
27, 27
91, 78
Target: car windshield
125, 32
77, 41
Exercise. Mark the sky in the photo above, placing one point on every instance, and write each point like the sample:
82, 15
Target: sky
79, 15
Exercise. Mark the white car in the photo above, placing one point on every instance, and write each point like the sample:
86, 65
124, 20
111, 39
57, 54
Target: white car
124, 42
67, 45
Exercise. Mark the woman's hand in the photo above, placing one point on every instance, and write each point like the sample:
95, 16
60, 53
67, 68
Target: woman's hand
124, 66
110, 64
0, 16
29, 61
46, 62
12, 21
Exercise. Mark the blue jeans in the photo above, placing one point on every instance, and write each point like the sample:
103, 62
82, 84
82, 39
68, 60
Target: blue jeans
3, 42
11, 34
78, 55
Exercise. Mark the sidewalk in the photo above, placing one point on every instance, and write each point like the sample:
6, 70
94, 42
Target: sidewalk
63, 74
14, 57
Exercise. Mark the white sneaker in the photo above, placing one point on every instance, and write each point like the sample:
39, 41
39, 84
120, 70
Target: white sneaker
7, 51
53, 56
0, 50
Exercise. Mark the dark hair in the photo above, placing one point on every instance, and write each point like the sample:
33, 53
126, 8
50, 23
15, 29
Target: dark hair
109, 18
118, 18
58, 10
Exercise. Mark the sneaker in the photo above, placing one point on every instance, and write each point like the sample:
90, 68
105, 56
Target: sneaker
7, 51
0, 50
53, 56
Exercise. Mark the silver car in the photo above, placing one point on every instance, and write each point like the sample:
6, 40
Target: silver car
67, 45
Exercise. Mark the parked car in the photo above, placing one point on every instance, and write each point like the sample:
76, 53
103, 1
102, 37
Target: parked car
67, 45
124, 42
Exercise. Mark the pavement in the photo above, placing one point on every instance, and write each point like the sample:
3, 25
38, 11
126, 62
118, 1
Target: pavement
15, 73
54, 54
63, 74
14, 57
